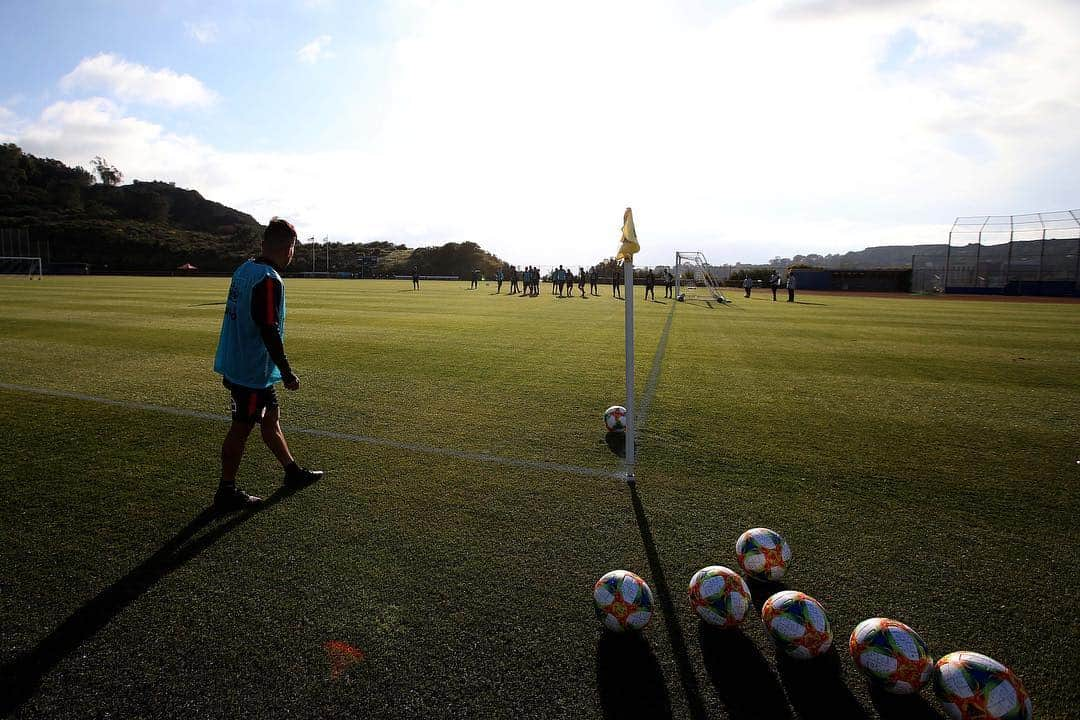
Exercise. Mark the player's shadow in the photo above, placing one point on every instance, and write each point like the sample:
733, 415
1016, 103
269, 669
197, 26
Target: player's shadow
616, 442
662, 595
902, 707
21, 678
803, 302
741, 675
205, 304
629, 678
816, 688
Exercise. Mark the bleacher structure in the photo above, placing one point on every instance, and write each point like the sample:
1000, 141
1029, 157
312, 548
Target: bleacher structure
703, 285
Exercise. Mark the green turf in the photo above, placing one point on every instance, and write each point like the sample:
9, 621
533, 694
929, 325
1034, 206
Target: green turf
920, 456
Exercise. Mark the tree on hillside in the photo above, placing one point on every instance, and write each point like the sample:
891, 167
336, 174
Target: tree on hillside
109, 174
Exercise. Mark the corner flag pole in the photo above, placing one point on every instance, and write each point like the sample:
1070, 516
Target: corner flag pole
628, 270
627, 248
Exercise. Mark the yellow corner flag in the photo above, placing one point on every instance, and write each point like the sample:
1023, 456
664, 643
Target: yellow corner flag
629, 244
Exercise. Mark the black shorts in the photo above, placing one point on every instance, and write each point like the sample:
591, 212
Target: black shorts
250, 404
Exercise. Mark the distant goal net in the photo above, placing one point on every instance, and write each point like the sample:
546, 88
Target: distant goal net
26, 267
1034, 254
696, 279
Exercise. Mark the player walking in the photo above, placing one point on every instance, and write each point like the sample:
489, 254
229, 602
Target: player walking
251, 358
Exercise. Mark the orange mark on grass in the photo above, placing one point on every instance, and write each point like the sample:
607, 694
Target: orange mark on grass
342, 656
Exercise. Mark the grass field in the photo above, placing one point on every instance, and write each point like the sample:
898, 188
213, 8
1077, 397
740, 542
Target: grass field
920, 457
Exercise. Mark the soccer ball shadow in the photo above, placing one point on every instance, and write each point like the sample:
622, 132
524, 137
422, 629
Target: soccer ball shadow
762, 590
616, 442
902, 707
741, 675
816, 688
629, 678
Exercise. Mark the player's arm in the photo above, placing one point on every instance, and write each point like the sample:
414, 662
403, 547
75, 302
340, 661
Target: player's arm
265, 298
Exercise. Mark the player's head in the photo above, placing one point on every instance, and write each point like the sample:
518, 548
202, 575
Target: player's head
279, 241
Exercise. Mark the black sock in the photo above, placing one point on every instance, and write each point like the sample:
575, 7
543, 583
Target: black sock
292, 467
226, 484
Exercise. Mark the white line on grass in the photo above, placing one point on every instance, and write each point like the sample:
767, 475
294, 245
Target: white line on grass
348, 437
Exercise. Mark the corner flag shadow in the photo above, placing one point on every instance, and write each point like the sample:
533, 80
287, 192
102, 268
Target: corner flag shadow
21, 678
667, 608
816, 688
746, 684
629, 678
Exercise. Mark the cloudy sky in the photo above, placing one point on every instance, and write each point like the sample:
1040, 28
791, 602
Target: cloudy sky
743, 129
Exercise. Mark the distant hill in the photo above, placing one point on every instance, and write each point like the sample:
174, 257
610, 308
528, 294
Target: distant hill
871, 258
156, 226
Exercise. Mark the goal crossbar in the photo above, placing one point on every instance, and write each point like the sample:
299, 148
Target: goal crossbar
21, 265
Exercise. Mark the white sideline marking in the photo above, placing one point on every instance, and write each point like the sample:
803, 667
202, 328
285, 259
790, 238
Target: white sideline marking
362, 439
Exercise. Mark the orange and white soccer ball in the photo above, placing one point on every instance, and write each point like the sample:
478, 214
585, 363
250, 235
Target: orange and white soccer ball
719, 596
615, 418
797, 623
971, 686
762, 554
623, 601
891, 654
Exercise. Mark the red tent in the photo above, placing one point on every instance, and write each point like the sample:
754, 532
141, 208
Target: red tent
187, 266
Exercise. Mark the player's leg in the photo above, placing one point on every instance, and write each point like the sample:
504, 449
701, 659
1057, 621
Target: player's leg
244, 413
274, 437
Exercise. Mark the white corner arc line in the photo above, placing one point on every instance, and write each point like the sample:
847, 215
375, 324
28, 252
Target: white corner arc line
348, 437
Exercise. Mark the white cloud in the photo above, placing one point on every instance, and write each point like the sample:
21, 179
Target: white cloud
734, 133
204, 32
315, 50
131, 82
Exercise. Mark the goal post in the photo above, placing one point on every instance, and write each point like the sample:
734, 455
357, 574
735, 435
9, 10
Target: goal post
702, 274
28, 267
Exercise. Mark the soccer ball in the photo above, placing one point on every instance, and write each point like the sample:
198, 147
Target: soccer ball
797, 623
623, 601
762, 554
615, 418
972, 686
891, 654
719, 596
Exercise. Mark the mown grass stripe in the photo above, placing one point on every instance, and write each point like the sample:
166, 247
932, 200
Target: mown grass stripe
348, 437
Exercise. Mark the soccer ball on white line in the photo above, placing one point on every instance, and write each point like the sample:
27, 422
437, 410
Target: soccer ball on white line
615, 418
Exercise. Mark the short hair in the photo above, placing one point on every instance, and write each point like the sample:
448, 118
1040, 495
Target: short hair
279, 232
